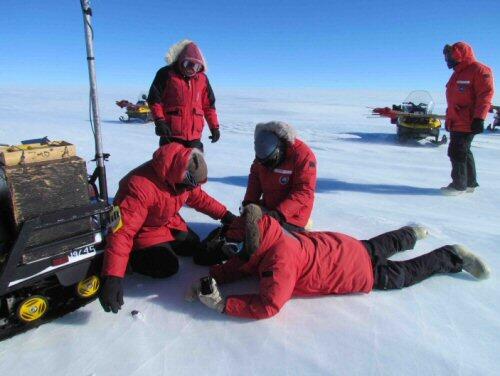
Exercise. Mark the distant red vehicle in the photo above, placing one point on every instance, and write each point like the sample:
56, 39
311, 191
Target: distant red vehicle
496, 120
139, 111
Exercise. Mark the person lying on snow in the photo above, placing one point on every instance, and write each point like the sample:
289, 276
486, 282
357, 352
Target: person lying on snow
152, 231
320, 263
283, 175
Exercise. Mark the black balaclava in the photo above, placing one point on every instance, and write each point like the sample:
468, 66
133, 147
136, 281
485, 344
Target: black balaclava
450, 61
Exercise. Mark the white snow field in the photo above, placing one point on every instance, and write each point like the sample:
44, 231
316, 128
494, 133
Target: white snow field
446, 325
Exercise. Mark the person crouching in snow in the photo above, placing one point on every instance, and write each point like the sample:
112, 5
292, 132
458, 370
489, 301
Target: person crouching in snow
181, 97
152, 231
283, 175
320, 263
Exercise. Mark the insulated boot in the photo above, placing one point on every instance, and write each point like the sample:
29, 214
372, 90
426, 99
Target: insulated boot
471, 263
450, 190
421, 232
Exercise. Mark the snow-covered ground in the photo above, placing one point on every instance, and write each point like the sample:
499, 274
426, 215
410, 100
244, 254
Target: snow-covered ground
447, 325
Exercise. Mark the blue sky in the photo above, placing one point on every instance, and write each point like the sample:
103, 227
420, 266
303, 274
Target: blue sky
278, 44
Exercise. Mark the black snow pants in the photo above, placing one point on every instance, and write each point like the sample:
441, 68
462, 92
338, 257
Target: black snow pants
463, 168
390, 275
188, 144
160, 260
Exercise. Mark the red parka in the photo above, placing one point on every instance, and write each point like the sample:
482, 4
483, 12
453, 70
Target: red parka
149, 206
469, 91
289, 188
302, 264
183, 102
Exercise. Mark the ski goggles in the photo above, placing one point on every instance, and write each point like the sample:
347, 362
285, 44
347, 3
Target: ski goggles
232, 248
191, 65
189, 180
272, 160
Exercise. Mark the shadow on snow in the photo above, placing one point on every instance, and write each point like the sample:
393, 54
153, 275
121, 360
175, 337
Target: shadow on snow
325, 185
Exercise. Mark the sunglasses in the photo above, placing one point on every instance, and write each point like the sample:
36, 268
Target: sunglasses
187, 64
270, 161
189, 180
232, 248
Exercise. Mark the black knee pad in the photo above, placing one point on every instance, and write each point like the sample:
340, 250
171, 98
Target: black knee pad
166, 270
156, 262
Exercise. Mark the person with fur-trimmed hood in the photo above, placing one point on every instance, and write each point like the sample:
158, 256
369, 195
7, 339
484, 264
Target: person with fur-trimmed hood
319, 263
151, 232
469, 93
283, 175
181, 98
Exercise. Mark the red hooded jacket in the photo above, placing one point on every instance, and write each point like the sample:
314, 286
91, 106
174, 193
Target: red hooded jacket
302, 264
150, 205
183, 102
290, 187
469, 91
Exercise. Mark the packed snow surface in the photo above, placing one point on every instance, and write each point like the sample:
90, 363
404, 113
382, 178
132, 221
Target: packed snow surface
367, 184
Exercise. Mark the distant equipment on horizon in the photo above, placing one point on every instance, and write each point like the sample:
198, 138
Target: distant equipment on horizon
496, 120
135, 112
414, 118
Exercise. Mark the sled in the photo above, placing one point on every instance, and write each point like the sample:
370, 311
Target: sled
139, 111
414, 118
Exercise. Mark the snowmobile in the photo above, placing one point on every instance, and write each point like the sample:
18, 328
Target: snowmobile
496, 120
414, 118
53, 224
139, 111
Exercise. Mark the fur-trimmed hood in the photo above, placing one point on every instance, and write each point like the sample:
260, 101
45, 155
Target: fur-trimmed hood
283, 130
258, 232
186, 47
171, 161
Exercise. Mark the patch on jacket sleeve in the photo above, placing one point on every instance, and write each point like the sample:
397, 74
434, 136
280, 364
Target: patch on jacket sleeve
115, 219
312, 164
267, 273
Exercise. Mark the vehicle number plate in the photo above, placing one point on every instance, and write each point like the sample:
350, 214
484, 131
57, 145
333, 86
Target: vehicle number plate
82, 251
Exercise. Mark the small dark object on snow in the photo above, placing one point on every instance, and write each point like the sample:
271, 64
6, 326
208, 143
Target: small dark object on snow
134, 312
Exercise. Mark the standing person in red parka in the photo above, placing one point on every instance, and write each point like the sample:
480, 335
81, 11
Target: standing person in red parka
469, 93
181, 98
319, 263
152, 232
283, 175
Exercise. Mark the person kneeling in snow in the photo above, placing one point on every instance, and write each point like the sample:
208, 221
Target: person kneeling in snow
152, 231
320, 263
283, 175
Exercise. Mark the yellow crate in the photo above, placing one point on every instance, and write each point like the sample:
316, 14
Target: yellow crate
31, 153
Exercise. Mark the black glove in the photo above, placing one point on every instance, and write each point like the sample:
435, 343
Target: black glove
276, 215
477, 126
162, 128
111, 296
446, 126
228, 218
215, 134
